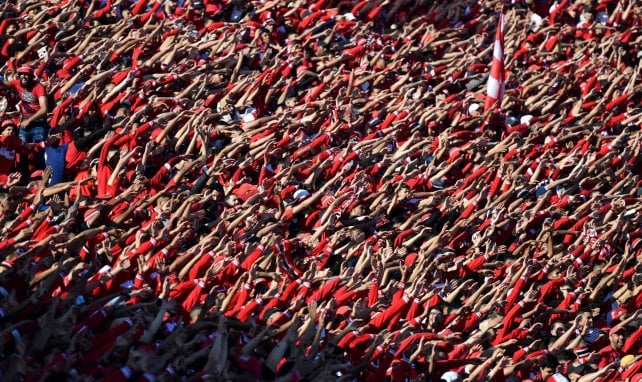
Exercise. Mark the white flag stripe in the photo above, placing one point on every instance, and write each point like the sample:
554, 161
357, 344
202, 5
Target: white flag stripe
493, 88
498, 52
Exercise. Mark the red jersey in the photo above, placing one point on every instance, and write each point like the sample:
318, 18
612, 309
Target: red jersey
28, 104
8, 147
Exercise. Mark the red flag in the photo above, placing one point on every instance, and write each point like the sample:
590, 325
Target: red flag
495, 86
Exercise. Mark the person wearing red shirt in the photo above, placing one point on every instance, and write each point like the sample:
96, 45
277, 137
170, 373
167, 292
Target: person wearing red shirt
10, 145
615, 350
33, 105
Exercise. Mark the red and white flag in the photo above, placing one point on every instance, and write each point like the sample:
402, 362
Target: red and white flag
495, 86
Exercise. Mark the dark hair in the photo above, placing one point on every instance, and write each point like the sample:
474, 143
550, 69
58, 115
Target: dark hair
549, 361
566, 355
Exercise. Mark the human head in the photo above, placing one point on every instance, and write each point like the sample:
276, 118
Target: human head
357, 235
6, 204
616, 337
575, 370
358, 210
232, 200
586, 320
25, 75
404, 192
435, 317
557, 329
8, 128
140, 182
11, 28
548, 366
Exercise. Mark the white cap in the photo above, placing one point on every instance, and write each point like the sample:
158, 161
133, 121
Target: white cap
300, 194
526, 119
557, 377
449, 376
536, 21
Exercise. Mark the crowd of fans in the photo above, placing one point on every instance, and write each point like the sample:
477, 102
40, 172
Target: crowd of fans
209, 190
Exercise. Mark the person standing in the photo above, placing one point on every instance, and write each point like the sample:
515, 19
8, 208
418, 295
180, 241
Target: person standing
33, 105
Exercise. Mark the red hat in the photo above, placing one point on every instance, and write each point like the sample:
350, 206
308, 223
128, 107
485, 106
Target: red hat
344, 311
617, 329
25, 70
